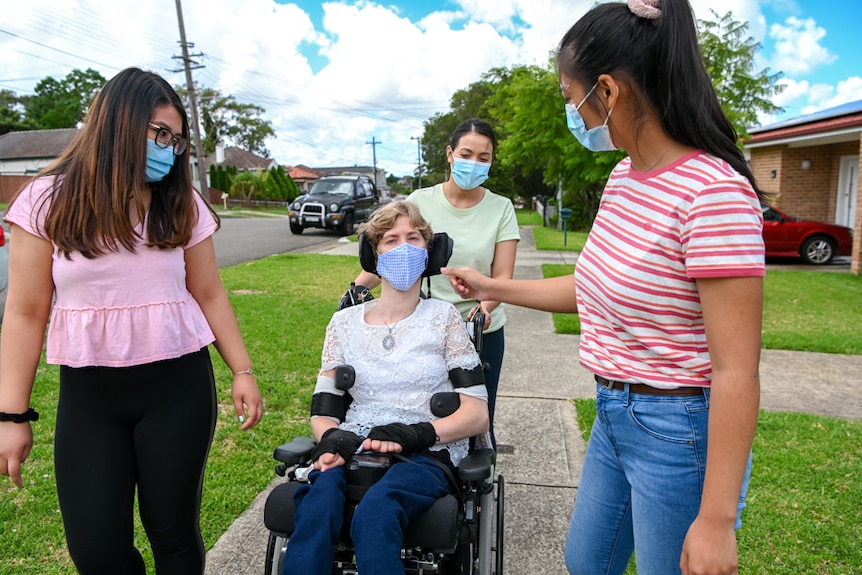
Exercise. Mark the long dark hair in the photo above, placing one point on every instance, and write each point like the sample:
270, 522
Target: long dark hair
473, 125
101, 174
661, 58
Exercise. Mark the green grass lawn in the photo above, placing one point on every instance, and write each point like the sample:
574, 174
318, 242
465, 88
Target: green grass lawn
803, 311
528, 218
283, 304
804, 513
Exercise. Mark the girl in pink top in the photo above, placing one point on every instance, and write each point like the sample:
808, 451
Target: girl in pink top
114, 231
669, 288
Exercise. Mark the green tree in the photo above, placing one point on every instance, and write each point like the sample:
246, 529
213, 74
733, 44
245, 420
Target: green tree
279, 185
464, 104
537, 143
228, 121
12, 113
63, 103
248, 185
729, 57
511, 179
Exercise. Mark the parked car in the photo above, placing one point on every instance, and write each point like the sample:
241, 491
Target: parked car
817, 243
335, 203
4, 270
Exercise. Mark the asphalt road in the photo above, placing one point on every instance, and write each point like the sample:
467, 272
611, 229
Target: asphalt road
243, 239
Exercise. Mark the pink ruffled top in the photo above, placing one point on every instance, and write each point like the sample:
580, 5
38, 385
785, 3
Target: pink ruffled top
121, 309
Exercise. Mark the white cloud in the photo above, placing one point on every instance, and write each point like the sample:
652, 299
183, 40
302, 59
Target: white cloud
366, 71
797, 46
823, 96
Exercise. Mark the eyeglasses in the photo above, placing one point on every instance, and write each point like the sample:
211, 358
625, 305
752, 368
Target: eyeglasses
164, 139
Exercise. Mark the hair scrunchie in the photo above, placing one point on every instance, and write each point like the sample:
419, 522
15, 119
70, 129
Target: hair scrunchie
649, 9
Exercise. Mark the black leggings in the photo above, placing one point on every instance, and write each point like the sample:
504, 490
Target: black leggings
148, 427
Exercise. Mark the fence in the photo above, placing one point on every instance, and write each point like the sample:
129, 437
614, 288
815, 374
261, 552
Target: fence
9, 185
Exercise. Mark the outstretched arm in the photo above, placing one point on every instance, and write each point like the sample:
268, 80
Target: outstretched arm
550, 294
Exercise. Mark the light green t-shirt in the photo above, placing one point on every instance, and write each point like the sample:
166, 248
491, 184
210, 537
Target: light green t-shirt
475, 232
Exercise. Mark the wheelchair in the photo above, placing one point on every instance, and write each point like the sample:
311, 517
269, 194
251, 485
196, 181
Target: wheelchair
460, 534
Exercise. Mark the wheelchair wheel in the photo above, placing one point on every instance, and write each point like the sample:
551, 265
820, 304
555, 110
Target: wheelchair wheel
500, 525
275, 548
490, 538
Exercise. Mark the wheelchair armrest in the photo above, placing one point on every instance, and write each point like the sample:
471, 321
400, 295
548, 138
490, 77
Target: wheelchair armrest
296, 451
477, 465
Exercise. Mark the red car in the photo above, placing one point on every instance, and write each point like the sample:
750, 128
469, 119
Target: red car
815, 242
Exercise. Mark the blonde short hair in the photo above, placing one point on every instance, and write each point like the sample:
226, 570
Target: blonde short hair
384, 220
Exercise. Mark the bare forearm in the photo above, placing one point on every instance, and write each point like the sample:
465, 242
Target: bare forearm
20, 350
367, 279
470, 419
229, 342
733, 412
552, 294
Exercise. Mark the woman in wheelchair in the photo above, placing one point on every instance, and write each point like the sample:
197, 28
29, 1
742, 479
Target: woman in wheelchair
403, 350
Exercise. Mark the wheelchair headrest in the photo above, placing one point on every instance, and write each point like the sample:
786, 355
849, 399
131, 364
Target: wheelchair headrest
439, 252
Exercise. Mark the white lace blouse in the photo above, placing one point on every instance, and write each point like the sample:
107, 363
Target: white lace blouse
396, 377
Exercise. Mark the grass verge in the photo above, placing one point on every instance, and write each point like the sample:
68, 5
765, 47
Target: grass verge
803, 311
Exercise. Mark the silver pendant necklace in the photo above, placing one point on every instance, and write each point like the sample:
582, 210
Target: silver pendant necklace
388, 340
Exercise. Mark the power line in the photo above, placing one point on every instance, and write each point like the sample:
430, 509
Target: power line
58, 50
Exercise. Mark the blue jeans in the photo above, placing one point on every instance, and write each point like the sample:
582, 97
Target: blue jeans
405, 491
641, 483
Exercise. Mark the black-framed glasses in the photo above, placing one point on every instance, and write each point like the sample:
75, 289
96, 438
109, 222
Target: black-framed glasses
165, 139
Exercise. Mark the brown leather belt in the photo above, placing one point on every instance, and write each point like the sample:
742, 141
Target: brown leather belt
647, 389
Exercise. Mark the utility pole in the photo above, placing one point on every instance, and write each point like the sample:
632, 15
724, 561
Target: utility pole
374, 143
190, 65
418, 157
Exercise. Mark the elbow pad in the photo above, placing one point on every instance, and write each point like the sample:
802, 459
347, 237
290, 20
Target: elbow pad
467, 377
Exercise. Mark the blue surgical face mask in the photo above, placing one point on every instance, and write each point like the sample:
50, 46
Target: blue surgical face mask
402, 266
596, 140
159, 161
469, 174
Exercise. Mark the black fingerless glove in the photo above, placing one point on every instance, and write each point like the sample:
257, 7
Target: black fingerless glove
355, 295
335, 440
412, 438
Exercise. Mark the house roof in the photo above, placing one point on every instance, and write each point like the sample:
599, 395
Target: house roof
243, 159
302, 172
841, 123
35, 144
340, 170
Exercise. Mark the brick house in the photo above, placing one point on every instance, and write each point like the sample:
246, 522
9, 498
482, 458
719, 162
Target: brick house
811, 167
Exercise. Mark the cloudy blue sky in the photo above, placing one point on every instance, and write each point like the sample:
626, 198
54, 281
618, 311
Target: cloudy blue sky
335, 75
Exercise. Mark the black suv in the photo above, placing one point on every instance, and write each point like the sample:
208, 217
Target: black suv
334, 203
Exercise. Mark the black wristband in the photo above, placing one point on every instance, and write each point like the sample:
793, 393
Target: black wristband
29, 415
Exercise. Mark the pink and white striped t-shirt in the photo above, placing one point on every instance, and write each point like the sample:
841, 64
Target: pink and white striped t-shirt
655, 233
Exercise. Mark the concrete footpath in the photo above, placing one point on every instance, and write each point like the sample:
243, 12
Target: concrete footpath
540, 445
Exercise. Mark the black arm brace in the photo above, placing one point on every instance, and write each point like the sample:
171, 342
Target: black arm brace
467, 377
329, 405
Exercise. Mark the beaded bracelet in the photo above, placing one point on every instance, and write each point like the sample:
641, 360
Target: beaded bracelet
29, 415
